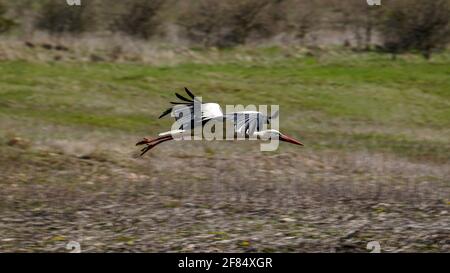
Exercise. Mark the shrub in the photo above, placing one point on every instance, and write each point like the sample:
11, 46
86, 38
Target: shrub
416, 25
226, 23
57, 17
141, 19
5, 23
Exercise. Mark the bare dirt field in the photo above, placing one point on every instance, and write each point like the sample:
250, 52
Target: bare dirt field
194, 201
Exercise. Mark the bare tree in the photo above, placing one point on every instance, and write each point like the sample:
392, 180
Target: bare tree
358, 18
140, 19
417, 25
203, 22
302, 16
246, 18
228, 23
56, 17
5, 23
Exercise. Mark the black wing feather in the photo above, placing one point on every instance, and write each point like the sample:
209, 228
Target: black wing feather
168, 111
189, 93
185, 101
182, 98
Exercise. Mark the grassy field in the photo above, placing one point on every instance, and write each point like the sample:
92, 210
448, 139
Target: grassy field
375, 164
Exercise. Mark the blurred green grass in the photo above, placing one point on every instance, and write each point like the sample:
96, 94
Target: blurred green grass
349, 101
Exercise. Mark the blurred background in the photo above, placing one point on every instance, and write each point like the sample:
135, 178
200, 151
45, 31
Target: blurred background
366, 88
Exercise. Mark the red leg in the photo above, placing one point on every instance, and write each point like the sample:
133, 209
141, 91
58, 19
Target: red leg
148, 141
153, 142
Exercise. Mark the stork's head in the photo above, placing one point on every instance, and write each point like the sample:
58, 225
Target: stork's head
272, 134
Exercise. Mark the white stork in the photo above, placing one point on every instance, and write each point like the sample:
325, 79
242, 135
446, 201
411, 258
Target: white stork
246, 123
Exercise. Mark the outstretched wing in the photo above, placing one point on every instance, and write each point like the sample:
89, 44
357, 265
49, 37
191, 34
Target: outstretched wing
185, 102
247, 122
191, 112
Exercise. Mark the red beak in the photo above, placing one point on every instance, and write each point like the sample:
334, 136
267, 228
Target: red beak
290, 140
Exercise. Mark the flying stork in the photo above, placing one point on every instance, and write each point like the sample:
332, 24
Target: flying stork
246, 123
